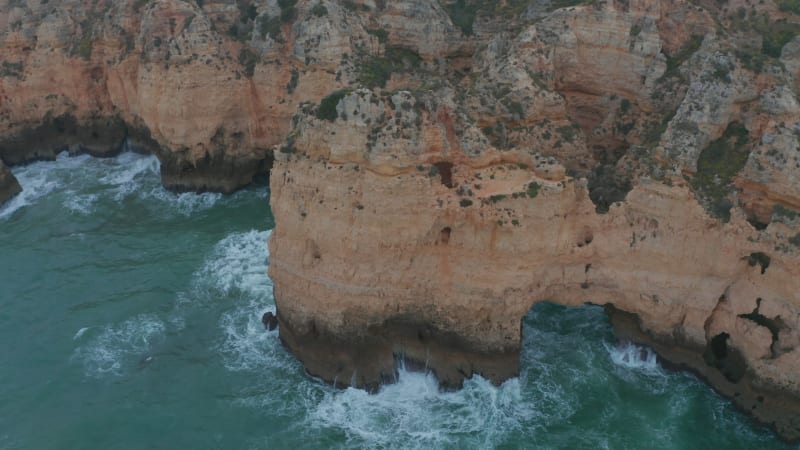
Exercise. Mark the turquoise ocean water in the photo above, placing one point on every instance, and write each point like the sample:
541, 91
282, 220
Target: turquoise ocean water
130, 319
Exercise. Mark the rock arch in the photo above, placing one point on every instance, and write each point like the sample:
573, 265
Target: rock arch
672, 277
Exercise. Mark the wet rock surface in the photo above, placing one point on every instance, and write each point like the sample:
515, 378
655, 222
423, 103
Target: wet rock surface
9, 186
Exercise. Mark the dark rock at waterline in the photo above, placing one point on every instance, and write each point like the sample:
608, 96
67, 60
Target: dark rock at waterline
270, 321
106, 136
371, 359
96, 136
9, 186
145, 361
180, 172
725, 370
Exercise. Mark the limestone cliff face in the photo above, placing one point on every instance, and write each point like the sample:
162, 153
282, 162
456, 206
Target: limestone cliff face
199, 86
636, 155
442, 166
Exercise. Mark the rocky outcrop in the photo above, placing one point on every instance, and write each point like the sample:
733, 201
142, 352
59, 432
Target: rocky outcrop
372, 264
174, 78
423, 225
9, 186
441, 166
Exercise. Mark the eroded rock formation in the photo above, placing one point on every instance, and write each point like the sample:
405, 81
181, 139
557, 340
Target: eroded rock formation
625, 156
441, 166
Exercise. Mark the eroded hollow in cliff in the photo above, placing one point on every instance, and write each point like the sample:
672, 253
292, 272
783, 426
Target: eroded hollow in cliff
728, 360
774, 325
607, 186
444, 237
585, 238
446, 173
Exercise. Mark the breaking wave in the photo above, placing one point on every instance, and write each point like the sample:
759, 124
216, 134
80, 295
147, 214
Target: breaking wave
631, 356
115, 349
82, 182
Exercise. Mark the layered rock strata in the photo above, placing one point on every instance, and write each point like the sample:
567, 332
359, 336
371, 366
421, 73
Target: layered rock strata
404, 267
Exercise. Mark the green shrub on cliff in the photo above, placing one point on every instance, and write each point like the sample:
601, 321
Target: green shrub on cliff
327, 107
685, 52
783, 212
792, 6
533, 189
292, 85
718, 165
379, 33
463, 13
375, 71
10, 69
288, 12
82, 47
248, 59
319, 10
269, 26
775, 34
760, 258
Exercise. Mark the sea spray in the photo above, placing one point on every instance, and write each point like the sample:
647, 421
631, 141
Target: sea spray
632, 356
39, 179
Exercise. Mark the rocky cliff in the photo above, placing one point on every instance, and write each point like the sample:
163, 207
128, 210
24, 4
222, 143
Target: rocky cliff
441, 166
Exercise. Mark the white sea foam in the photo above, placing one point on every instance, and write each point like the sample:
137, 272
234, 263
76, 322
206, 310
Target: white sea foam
113, 349
239, 263
80, 204
37, 180
127, 167
238, 266
79, 333
44, 177
632, 356
121, 177
415, 413
134, 174
185, 203
246, 345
